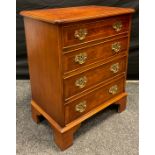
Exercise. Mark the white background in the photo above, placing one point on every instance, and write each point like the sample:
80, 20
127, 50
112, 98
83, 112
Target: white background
8, 77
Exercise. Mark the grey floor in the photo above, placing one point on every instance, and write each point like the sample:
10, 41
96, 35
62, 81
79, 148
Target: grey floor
107, 133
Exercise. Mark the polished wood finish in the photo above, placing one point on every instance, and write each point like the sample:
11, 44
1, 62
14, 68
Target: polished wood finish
121, 104
73, 14
44, 66
64, 140
94, 53
68, 86
93, 99
74, 125
95, 30
92, 76
35, 115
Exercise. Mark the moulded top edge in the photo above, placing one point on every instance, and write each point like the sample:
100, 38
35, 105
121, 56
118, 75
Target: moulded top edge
74, 14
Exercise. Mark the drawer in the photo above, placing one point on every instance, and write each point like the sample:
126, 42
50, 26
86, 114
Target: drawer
77, 33
92, 77
84, 104
86, 56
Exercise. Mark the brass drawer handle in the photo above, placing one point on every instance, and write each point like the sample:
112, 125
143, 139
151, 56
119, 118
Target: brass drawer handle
116, 47
113, 90
114, 67
81, 82
80, 34
117, 26
81, 107
81, 58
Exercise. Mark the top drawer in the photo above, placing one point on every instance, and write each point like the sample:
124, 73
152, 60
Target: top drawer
78, 33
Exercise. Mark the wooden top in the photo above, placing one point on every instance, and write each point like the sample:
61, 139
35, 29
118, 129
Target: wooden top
73, 14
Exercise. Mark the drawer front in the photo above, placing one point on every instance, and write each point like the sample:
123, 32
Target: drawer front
80, 82
84, 104
86, 56
77, 33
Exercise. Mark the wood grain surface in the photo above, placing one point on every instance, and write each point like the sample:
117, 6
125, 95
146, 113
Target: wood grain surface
93, 99
56, 79
44, 66
94, 77
72, 14
94, 53
97, 29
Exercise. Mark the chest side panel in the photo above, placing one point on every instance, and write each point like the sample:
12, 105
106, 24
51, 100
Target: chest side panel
45, 66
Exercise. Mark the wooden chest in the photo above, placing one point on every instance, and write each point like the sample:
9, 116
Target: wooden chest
78, 63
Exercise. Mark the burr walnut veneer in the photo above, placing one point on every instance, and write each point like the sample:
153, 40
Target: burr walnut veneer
78, 62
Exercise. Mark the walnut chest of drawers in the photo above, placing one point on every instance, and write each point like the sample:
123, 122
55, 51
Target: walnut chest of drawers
78, 62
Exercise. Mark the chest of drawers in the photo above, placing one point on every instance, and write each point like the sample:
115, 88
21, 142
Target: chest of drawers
77, 62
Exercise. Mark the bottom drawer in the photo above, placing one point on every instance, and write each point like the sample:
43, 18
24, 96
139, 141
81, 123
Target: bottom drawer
79, 107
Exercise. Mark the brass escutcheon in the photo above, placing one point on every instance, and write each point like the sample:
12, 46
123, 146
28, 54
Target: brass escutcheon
114, 67
81, 82
116, 47
113, 90
80, 34
81, 107
81, 58
117, 26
